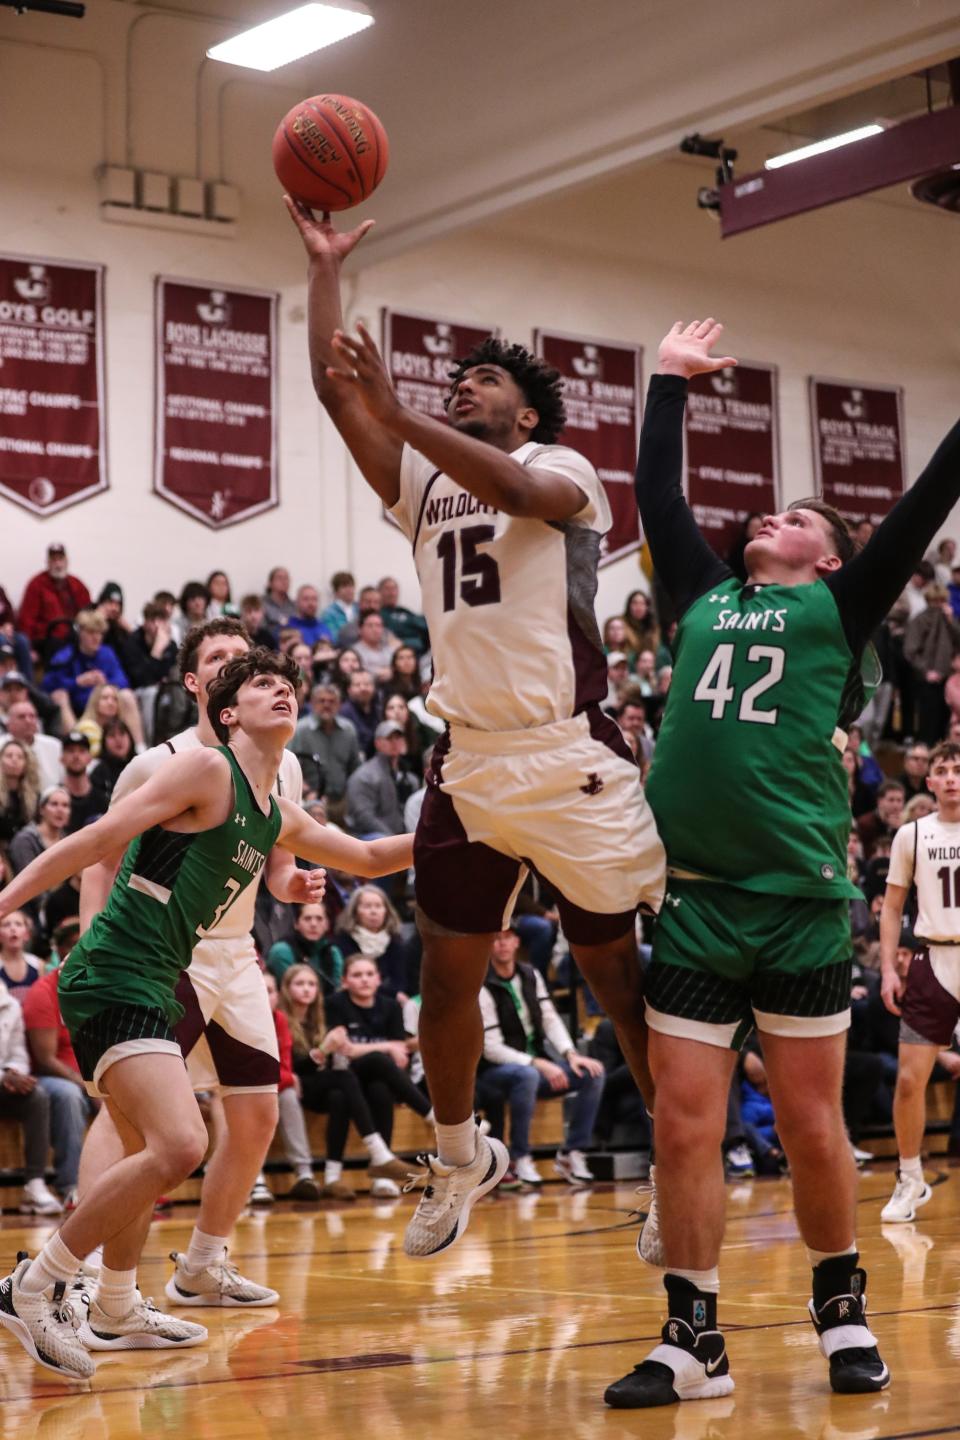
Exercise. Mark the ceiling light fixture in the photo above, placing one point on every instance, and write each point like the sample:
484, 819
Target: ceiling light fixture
819, 147
289, 37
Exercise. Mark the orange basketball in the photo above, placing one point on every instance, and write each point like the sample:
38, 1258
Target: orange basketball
330, 152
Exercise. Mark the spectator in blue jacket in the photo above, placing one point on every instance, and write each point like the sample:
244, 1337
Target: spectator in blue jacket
85, 663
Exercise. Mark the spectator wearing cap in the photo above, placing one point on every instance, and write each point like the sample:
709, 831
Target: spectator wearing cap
151, 653
14, 686
408, 626
23, 724
84, 805
361, 708
342, 608
326, 747
277, 604
378, 790
52, 599
76, 669
618, 679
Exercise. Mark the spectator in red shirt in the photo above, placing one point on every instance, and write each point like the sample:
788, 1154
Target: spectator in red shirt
291, 1124
55, 1065
52, 595
882, 823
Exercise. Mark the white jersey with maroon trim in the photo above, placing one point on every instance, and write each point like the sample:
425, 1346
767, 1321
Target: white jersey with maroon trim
238, 920
926, 853
508, 601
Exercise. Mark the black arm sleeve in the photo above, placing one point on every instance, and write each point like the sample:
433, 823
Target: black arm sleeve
867, 586
682, 558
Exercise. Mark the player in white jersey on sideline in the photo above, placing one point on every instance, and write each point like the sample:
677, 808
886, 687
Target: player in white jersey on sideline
925, 853
506, 528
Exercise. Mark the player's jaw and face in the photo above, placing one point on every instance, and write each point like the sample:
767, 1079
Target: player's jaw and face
265, 710
943, 782
795, 546
213, 654
489, 405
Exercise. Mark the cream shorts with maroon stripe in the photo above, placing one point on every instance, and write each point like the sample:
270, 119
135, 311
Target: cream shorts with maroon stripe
227, 1034
563, 800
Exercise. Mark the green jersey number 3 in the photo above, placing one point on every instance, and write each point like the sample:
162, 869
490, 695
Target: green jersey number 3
715, 689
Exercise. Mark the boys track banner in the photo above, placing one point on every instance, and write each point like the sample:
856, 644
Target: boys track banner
52, 414
601, 391
858, 446
215, 424
733, 449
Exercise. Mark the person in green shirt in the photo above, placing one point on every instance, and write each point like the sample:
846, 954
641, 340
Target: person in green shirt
309, 944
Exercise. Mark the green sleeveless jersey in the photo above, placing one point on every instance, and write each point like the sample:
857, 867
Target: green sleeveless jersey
172, 889
747, 784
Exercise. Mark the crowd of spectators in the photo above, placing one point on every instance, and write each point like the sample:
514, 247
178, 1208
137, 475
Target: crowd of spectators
83, 688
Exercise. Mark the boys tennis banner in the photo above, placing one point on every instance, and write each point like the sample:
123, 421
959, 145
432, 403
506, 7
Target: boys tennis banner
215, 443
858, 446
733, 449
52, 414
420, 351
601, 392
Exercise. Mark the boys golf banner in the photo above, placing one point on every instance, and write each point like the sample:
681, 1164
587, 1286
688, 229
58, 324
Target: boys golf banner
858, 446
601, 392
733, 449
215, 447
52, 414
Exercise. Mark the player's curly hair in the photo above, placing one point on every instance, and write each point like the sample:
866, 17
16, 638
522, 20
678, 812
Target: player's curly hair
541, 384
259, 661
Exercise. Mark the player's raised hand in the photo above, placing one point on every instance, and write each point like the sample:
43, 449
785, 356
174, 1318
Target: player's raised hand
685, 349
319, 237
364, 373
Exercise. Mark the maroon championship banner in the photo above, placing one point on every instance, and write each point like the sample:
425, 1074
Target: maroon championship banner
216, 401
858, 446
601, 392
420, 352
52, 414
733, 449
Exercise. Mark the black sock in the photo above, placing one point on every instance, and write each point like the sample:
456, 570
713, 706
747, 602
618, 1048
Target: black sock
837, 1276
698, 1308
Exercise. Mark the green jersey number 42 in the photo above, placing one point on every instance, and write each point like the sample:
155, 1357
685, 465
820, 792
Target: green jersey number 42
715, 687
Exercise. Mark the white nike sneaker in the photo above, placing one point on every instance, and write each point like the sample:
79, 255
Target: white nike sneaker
527, 1171
649, 1243
908, 1195
218, 1284
39, 1200
450, 1194
45, 1328
142, 1328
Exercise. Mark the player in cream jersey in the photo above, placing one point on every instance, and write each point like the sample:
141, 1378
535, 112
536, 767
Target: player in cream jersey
506, 528
925, 993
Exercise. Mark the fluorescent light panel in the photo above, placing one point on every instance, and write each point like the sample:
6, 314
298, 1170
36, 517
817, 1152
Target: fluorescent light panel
819, 147
289, 37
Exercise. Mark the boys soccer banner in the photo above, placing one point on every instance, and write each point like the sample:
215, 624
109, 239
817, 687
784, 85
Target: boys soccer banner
733, 449
420, 351
858, 446
215, 443
601, 391
52, 415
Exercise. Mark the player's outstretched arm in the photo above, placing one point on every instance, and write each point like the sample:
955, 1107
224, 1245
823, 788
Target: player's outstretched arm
374, 448
301, 834
483, 470
684, 561
193, 783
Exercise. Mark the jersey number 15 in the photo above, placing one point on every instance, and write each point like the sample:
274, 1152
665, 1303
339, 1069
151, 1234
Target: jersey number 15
479, 574
714, 684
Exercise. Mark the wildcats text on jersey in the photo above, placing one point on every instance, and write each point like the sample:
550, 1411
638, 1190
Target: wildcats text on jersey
441, 508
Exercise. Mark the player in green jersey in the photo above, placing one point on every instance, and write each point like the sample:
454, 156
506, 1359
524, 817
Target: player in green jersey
199, 833
750, 798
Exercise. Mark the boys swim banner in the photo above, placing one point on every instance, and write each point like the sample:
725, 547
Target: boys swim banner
733, 449
215, 445
858, 446
601, 391
52, 412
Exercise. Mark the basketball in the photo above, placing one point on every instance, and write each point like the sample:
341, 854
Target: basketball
330, 152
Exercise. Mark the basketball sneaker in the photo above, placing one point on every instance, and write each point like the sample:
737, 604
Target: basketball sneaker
261, 1194
908, 1195
449, 1196
142, 1328
304, 1188
738, 1163
527, 1170
686, 1365
649, 1243
39, 1200
571, 1165
847, 1342
46, 1328
218, 1284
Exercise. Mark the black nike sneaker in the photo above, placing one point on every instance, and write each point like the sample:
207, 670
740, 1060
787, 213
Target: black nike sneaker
846, 1340
686, 1365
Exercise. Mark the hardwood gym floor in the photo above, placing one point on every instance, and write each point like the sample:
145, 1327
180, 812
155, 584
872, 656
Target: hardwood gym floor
514, 1333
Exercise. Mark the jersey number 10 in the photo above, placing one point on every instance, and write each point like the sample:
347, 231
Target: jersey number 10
714, 684
479, 574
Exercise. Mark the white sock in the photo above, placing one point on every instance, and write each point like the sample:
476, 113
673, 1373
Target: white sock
205, 1249
706, 1280
816, 1256
305, 1173
116, 1291
911, 1169
457, 1144
377, 1148
55, 1262
332, 1171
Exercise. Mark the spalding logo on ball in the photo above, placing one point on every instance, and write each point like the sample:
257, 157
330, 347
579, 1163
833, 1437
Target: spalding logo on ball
330, 152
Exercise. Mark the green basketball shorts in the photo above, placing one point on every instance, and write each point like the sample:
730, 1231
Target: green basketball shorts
725, 959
